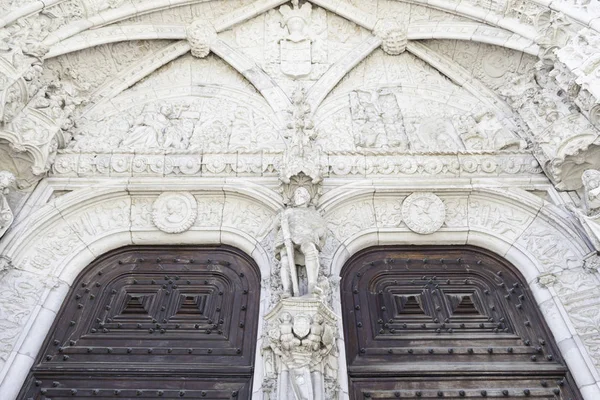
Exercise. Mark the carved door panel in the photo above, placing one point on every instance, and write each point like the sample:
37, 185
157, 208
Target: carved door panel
446, 322
154, 323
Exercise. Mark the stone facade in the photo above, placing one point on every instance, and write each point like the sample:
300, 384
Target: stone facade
200, 122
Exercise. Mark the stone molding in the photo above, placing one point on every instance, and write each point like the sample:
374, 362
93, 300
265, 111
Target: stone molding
75, 228
367, 163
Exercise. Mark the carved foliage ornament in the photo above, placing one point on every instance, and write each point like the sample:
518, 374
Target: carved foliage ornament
174, 212
423, 213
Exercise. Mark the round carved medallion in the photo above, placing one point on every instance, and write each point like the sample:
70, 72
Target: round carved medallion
423, 213
174, 212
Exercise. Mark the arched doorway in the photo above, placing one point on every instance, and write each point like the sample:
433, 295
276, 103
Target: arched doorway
154, 322
446, 322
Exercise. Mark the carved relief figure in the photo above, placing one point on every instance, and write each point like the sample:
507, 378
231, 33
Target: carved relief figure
7, 179
296, 55
148, 129
485, 132
300, 236
376, 120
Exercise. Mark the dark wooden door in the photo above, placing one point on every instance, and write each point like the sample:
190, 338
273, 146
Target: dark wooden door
149, 322
446, 322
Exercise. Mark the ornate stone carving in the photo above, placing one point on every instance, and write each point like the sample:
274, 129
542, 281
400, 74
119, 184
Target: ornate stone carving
553, 33
423, 213
302, 156
485, 132
591, 191
200, 35
300, 236
301, 180
377, 120
547, 280
7, 180
393, 37
295, 48
592, 263
5, 264
174, 212
300, 353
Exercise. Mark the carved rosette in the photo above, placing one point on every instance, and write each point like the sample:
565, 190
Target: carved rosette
174, 212
200, 35
423, 213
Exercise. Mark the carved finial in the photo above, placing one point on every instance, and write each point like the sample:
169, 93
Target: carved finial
7, 179
200, 35
392, 35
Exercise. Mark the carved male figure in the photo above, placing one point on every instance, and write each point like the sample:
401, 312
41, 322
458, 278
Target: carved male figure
316, 332
299, 239
288, 340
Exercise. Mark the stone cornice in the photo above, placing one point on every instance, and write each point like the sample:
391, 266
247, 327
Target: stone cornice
338, 164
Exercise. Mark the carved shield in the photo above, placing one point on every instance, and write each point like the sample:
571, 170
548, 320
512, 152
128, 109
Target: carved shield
302, 325
296, 57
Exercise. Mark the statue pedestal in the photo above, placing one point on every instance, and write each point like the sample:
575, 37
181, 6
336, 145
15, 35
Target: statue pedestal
300, 354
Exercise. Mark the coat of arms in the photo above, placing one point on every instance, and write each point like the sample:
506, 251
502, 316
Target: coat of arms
296, 52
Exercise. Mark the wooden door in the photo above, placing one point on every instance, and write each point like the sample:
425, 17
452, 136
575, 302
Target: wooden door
160, 323
446, 322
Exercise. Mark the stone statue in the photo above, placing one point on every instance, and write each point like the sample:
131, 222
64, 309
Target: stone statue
7, 179
300, 236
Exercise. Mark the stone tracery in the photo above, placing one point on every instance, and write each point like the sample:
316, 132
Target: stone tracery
311, 61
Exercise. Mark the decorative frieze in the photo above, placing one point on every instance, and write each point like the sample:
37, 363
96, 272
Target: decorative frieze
331, 164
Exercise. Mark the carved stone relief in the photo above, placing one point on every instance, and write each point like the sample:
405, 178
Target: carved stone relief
423, 213
295, 48
6, 215
174, 212
300, 352
209, 124
200, 34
